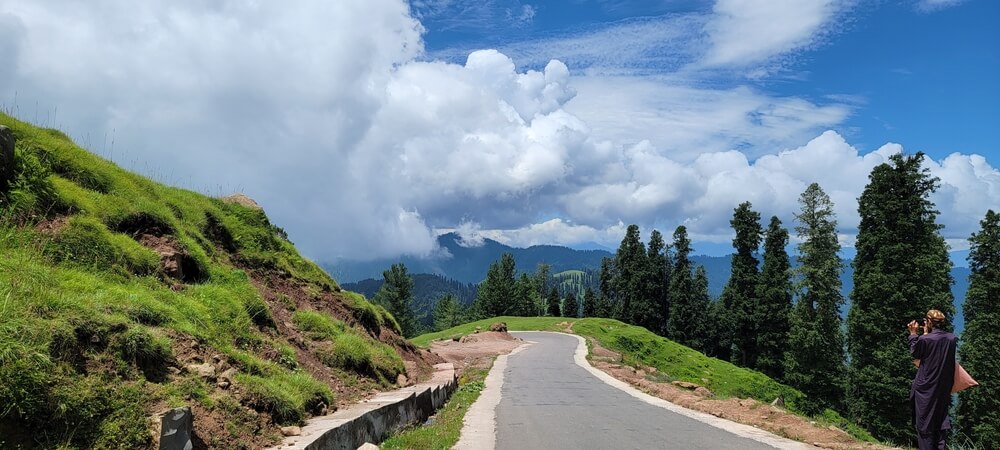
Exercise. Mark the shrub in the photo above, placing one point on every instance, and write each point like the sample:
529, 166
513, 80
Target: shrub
317, 325
353, 352
258, 311
151, 354
86, 241
286, 399
32, 194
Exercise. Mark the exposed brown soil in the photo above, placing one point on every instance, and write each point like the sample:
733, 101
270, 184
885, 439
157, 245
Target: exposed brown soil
475, 350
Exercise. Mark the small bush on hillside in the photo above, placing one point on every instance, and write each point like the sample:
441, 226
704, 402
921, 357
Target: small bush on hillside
353, 352
286, 399
258, 311
317, 325
32, 195
85, 241
150, 353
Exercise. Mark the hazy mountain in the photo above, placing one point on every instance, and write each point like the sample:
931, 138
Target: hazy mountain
468, 264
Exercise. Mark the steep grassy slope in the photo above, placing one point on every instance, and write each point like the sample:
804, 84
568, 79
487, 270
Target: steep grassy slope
115, 290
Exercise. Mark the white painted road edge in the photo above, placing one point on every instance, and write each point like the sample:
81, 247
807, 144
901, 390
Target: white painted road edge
738, 429
479, 425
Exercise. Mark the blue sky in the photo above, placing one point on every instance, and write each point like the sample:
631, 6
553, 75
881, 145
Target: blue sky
368, 127
922, 76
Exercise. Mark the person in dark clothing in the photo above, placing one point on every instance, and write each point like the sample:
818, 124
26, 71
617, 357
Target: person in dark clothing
930, 393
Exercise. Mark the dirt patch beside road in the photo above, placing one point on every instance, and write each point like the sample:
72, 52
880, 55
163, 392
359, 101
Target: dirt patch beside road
475, 350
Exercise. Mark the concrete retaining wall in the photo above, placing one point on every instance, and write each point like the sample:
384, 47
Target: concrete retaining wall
373, 420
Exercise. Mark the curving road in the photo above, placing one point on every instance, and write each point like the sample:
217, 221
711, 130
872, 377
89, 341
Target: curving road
548, 401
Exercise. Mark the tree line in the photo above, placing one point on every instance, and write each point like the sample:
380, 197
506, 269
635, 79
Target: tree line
786, 322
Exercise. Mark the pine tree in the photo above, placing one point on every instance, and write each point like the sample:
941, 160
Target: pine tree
740, 294
570, 308
395, 295
608, 277
589, 303
541, 278
447, 313
524, 297
685, 316
815, 360
553, 308
979, 407
702, 332
655, 304
495, 295
775, 297
901, 271
630, 262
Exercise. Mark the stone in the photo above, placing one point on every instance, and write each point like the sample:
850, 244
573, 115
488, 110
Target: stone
223, 384
291, 431
401, 380
368, 446
499, 326
703, 391
686, 385
6, 158
173, 429
779, 402
206, 370
228, 375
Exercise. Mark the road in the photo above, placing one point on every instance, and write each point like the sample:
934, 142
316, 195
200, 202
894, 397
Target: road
549, 402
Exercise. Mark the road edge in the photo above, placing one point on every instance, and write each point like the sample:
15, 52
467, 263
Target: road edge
739, 429
479, 425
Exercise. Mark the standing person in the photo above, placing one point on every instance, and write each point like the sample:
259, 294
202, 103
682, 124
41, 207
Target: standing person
930, 393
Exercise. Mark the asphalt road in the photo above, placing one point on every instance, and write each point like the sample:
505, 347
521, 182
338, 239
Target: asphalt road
549, 402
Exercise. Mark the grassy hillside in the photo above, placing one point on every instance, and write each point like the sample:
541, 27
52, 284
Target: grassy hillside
639, 346
113, 288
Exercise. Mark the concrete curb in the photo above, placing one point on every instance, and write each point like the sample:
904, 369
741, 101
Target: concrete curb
739, 429
479, 426
373, 420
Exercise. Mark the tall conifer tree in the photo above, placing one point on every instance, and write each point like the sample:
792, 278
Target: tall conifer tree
703, 336
608, 280
497, 293
447, 312
553, 309
589, 303
815, 358
656, 301
979, 408
684, 314
901, 271
570, 307
395, 295
775, 297
630, 262
740, 294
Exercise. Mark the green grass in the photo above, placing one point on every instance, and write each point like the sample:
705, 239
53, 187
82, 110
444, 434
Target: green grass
675, 362
87, 317
443, 431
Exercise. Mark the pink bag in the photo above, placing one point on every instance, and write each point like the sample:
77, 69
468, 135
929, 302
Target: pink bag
963, 380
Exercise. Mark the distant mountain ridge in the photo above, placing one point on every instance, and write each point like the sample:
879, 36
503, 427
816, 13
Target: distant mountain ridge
468, 264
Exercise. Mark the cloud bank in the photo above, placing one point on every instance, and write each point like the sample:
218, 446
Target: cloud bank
361, 145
